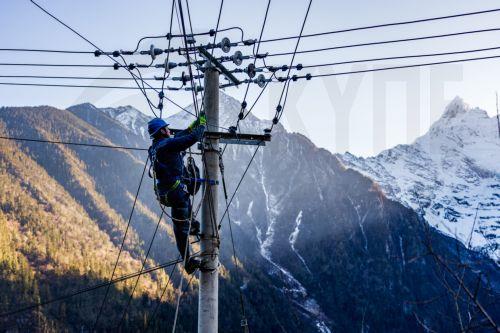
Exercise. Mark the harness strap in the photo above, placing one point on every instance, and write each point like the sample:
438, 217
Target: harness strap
152, 153
175, 185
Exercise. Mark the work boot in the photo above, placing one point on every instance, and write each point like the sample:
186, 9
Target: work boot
192, 264
195, 228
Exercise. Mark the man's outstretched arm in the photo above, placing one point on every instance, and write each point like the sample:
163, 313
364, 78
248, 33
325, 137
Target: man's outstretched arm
192, 134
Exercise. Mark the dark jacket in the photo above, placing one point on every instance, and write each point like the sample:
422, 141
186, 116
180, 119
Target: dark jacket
167, 154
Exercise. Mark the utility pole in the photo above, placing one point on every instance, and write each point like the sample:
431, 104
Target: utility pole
208, 307
208, 301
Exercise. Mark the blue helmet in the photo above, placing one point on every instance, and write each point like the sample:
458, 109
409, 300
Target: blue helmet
154, 125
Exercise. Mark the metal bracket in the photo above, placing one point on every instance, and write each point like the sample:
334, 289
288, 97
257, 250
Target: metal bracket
239, 138
234, 138
219, 66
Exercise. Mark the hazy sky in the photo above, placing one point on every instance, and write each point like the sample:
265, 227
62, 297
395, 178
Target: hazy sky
362, 113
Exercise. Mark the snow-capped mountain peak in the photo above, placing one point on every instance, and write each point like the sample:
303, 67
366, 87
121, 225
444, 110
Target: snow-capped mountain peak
447, 174
131, 118
136, 121
455, 108
128, 116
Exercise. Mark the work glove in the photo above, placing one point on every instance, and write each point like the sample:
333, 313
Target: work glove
201, 120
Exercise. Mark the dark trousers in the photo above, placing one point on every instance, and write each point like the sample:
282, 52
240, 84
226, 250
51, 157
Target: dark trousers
178, 200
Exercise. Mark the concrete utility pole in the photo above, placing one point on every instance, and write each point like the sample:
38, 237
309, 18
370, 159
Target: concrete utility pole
208, 307
208, 302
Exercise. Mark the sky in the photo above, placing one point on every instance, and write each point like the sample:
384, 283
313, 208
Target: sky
360, 113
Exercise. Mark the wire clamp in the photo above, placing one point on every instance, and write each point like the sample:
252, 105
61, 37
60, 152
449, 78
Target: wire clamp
249, 42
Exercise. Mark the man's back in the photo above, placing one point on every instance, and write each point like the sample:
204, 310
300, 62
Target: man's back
167, 156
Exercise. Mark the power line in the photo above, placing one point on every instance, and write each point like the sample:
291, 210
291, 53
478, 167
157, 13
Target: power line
195, 104
244, 321
210, 198
56, 65
46, 51
256, 99
239, 184
72, 77
218, 20
88, 289
310, 76
167, 36
270, 67
401, 57
287, 86
136, 196
73, 86
122, 244
170, 278
195, 56
241, 115
214, 32
72, 143
195, 101
279, 38
385, 42
142, 268
258, 146
386, 25
161, 94
279, 108
95, 46
181, 293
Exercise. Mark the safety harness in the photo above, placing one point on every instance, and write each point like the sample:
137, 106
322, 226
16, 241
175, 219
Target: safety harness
190, 177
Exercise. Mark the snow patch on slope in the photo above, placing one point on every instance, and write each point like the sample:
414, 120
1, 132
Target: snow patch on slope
293, 238
294, 288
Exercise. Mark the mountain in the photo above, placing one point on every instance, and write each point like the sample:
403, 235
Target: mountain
341, 254
59, 229
451, 175
98, 187
131, 118
114, 122
321, 247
